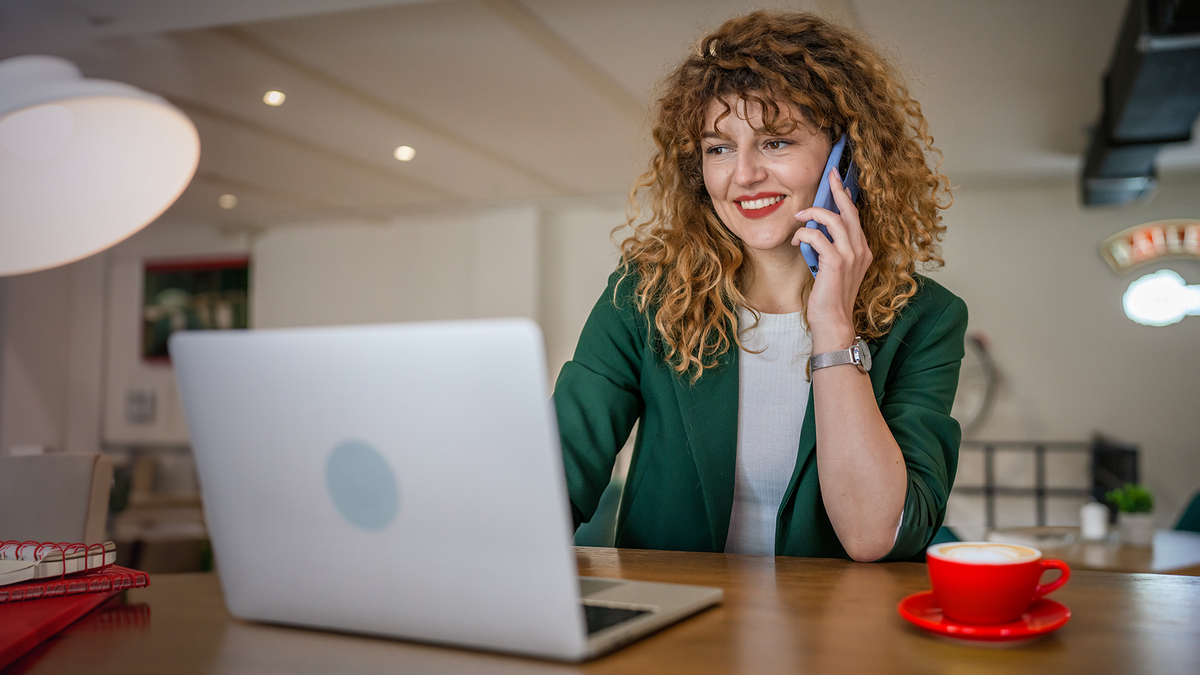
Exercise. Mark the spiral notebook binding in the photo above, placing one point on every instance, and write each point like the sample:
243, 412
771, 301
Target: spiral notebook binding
115, 578
44, 553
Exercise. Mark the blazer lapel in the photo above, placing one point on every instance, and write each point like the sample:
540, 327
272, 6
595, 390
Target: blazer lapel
808, 444
709, 409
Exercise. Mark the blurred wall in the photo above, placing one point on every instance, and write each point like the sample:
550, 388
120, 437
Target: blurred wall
414, 269
34, 372
1026, 260
578, 255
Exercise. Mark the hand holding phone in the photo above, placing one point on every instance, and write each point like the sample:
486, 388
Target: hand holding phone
840, 156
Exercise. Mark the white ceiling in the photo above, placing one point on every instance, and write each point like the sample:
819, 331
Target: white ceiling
516, 100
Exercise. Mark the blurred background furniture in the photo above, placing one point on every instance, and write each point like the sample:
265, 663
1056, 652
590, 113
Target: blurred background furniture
1039, 492
55, 497
1172, 552
157, 517
1036, 483
1114, 464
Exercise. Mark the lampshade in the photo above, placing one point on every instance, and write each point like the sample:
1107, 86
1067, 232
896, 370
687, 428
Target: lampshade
84, 163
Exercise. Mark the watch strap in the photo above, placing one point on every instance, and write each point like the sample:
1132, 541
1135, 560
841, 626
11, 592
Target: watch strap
856, 355
840, 357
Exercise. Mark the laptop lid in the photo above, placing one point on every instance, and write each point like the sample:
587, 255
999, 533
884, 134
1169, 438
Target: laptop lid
399, 480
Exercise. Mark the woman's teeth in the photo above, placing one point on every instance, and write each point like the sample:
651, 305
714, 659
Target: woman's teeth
760, 203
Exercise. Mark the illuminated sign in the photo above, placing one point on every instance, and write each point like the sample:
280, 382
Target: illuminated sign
1161, 299
1152, 241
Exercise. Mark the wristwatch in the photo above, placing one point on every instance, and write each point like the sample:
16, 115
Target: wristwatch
858, 354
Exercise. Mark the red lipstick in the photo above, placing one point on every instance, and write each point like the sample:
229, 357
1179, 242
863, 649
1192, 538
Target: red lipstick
764, 211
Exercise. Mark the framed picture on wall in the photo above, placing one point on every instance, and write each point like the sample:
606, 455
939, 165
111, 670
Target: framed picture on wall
192, 294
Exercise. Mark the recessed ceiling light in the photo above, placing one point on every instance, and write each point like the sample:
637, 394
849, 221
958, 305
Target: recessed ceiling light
274, 98
227, 201
404, 153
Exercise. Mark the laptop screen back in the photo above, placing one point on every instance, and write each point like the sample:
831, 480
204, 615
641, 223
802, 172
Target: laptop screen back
401, 480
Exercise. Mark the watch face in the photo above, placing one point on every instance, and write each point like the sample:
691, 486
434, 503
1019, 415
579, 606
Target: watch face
864, 354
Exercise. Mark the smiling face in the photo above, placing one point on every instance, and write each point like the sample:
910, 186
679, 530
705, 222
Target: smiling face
758, 180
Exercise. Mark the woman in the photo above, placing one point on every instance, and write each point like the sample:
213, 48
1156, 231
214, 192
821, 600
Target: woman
705, 330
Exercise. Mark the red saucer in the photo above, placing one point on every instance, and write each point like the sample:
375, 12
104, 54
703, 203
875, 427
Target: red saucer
1043, 616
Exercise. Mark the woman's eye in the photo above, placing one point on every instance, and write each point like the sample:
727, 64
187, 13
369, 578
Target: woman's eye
717, 150
776, 144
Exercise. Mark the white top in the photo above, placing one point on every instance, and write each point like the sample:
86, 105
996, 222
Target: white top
772, 398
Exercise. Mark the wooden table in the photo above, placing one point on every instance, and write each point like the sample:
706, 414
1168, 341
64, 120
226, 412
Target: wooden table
780, 615
1173, 551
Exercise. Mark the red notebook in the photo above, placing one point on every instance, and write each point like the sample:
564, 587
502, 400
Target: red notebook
34, 611
25, 625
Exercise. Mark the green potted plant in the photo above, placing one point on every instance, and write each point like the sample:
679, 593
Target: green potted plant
1135, 513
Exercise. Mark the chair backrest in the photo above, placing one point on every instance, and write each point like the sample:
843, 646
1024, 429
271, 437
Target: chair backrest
601, 530
55, 497
1190, 520
942, 536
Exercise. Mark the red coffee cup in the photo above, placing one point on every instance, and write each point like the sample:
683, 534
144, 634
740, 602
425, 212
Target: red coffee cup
985, 582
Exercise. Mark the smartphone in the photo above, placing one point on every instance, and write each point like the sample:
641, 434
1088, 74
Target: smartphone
841, 157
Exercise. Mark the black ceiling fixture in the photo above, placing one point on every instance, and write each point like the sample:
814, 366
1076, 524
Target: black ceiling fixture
1151, 98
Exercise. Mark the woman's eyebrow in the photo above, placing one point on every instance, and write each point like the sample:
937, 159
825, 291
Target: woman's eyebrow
713, 134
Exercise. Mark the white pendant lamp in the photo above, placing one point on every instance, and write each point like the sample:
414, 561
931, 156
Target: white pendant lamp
83, 163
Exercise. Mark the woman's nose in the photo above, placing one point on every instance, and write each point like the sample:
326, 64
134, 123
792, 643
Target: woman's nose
749, 169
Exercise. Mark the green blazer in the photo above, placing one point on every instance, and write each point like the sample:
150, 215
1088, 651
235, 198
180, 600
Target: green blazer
679, 491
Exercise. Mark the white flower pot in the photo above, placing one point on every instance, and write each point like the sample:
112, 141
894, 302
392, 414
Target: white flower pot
1137, 529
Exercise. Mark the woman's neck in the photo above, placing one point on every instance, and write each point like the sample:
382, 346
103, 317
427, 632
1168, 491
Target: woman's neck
778, 285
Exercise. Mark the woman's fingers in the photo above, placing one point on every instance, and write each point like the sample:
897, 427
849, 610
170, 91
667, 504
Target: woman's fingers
849, 212
831, 302
805, 216
842, 238
844, 261
844, 228
827, 250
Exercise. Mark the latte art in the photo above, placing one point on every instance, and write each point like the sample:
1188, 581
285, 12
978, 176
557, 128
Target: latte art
984, 552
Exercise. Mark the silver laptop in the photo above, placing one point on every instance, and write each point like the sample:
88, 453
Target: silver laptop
403, 481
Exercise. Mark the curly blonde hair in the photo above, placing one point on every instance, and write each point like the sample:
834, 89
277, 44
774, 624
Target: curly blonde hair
689, 266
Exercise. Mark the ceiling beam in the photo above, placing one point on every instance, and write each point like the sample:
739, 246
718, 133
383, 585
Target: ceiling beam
562, 51
244, 39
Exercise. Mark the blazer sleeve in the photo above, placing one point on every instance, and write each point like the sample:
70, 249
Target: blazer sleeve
597, 397
916, 405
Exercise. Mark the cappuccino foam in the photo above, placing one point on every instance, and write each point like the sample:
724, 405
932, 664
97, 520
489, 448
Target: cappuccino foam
985, 552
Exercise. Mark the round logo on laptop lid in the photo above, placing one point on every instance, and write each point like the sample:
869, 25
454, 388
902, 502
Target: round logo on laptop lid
361, 485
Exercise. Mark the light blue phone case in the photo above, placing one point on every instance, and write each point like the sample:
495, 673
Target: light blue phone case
824, 197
